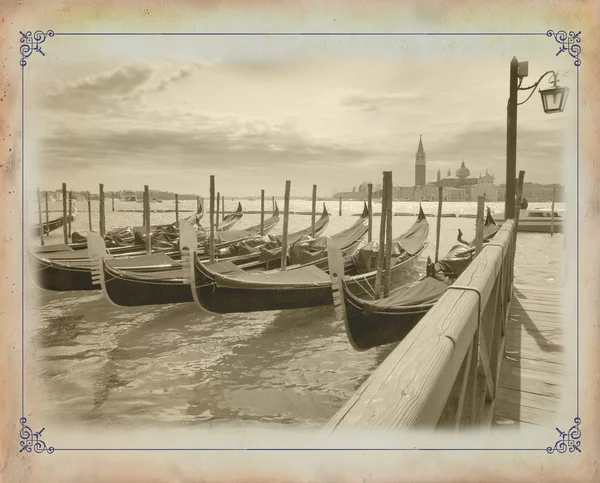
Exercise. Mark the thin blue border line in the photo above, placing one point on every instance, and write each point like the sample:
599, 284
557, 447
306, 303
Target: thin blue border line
22, 241
381, 34
300, 449
577, 241
291, 34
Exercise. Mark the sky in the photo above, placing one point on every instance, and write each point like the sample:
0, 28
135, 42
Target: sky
258, 111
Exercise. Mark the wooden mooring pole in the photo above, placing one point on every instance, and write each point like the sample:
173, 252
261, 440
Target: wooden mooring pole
211, 242
147, 223
314, 209
438, 225
113, 201
177, 210
479, 224
387, 260
340, 206
217, 217
286, 219
64, 200
47, 212
102, 212
370, 208
262, 212
89, 203
382, 230
223, 207
70, 211
39, 200
552, 212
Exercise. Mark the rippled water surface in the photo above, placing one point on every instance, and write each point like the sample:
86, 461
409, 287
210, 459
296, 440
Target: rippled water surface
174, 364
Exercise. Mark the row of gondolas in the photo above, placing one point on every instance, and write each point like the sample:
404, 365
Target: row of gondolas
246, 275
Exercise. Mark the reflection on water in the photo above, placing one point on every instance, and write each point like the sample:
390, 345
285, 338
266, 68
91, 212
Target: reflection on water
175, 364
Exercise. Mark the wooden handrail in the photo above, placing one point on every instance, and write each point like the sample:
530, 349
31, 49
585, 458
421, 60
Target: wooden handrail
411, 387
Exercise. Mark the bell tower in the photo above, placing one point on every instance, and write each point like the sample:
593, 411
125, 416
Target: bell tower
420, 176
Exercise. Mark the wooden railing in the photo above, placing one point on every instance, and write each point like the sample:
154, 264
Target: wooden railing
445, 372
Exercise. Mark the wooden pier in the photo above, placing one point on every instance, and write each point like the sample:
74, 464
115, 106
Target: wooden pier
533, 368
486, 354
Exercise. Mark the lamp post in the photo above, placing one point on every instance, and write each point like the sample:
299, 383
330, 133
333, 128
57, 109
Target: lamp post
553, 101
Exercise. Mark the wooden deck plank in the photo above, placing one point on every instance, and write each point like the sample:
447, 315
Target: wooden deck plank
533, 369
507, 423
550, 367
533, 374
526, 414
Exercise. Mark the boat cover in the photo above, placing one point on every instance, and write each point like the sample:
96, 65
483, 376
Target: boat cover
59, 247
303, 252
152, 259
407, 244
227, 274
426, 291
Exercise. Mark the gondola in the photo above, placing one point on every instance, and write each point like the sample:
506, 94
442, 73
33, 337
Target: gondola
53, 224
370, 322
166, 281
223, 287
71, 269
125, 237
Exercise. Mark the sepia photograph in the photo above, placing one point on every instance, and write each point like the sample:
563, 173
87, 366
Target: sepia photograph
277, 248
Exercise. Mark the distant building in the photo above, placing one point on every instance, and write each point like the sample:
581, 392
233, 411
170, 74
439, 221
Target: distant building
420, 166
485, 187
128, 196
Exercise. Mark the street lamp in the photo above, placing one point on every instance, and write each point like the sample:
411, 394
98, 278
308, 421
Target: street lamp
553, 101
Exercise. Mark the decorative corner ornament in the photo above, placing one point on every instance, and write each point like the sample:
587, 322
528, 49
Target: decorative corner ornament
31, 43
570, 43
31, 440
569, 440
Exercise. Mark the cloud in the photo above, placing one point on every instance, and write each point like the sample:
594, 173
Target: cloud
539, 151
104, 92
377, 102
192, 144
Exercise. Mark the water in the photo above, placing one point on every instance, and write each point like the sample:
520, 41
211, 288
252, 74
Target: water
175, 365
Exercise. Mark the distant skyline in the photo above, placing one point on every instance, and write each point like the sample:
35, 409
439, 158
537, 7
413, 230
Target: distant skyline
255, 115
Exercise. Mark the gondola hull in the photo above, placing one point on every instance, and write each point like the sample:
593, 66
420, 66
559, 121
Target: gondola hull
131, 292
366, 330
50, 276
227, 300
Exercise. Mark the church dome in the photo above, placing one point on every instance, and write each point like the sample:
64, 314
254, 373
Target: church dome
462, 172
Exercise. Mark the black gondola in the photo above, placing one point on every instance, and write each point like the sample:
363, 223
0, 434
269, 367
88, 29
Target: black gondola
71, 269
166, 281
371, 322
224, 287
